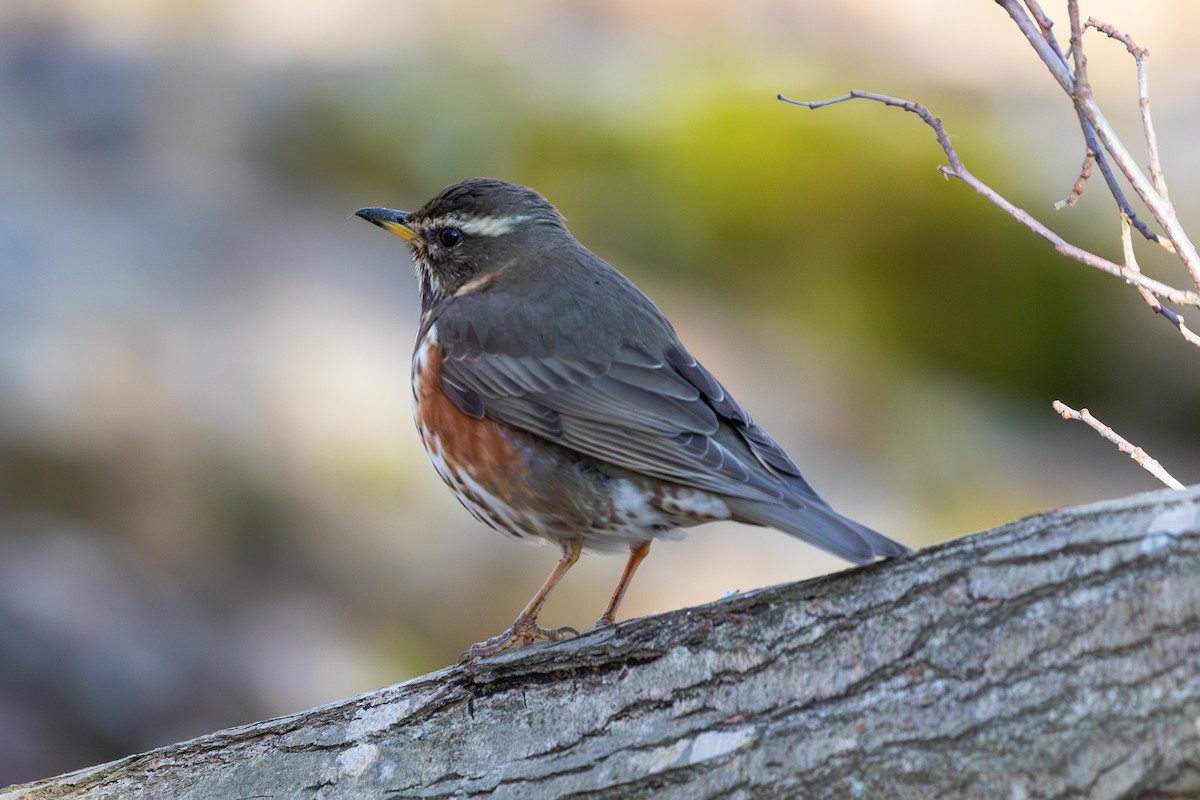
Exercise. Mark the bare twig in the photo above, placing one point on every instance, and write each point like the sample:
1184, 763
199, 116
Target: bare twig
1078, 59
1136, 453
1141, 56
1102, 144
1114, 188
1151, 300
1113, 33
1083, 85
1089, 109
958, 170
1045, 25
1085, 172
1037, 33
1159, 206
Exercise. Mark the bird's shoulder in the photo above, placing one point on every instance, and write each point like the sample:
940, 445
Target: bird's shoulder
572, 306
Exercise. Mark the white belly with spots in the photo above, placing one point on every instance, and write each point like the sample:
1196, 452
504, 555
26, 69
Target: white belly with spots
641, 514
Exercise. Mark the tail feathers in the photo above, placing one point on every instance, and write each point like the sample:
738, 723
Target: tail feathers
821, 527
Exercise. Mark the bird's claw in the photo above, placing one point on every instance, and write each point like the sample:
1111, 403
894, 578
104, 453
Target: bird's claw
522, 632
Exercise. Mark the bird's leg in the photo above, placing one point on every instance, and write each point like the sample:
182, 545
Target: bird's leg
525, 629
636, 555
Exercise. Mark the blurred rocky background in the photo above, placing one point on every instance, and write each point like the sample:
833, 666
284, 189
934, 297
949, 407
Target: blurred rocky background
213, 506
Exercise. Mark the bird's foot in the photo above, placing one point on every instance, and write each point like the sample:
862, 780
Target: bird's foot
606, 619
524, 630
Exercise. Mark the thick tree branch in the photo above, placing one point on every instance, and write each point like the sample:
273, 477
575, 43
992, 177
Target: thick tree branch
1052, 657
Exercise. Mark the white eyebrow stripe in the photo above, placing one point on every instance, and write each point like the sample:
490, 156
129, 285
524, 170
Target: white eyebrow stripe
478, 226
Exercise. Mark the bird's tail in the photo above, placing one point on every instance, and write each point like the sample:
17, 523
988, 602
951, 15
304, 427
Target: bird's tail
821, 527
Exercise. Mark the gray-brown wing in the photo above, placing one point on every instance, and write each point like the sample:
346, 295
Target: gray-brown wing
662, 415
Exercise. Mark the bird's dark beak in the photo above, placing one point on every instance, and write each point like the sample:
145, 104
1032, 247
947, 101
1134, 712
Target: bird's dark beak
391, 221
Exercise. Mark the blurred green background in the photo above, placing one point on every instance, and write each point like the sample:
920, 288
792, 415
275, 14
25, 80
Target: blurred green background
213, 507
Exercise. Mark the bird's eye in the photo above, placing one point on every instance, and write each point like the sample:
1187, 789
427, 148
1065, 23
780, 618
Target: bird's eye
450, 237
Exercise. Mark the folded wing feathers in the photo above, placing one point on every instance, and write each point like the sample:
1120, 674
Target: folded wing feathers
640, 412
658, 380
664, 416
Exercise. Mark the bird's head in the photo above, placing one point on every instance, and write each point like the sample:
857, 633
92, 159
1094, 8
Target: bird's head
469, 232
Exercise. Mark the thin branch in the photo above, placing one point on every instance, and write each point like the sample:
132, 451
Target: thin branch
1136, 453
1077, 55
1044, 23
1080, 71
1049, 53
1089, 137
1159, 206
1045, 26
1141, 56
1102, 143
1114, 187
1113, 33
1086, 105
1151, 300
958, 170
1085, 172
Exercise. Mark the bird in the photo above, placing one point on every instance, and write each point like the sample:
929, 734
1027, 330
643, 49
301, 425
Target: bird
558, 403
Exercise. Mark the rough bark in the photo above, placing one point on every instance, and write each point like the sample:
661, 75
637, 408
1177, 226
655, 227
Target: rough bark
1057, 656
